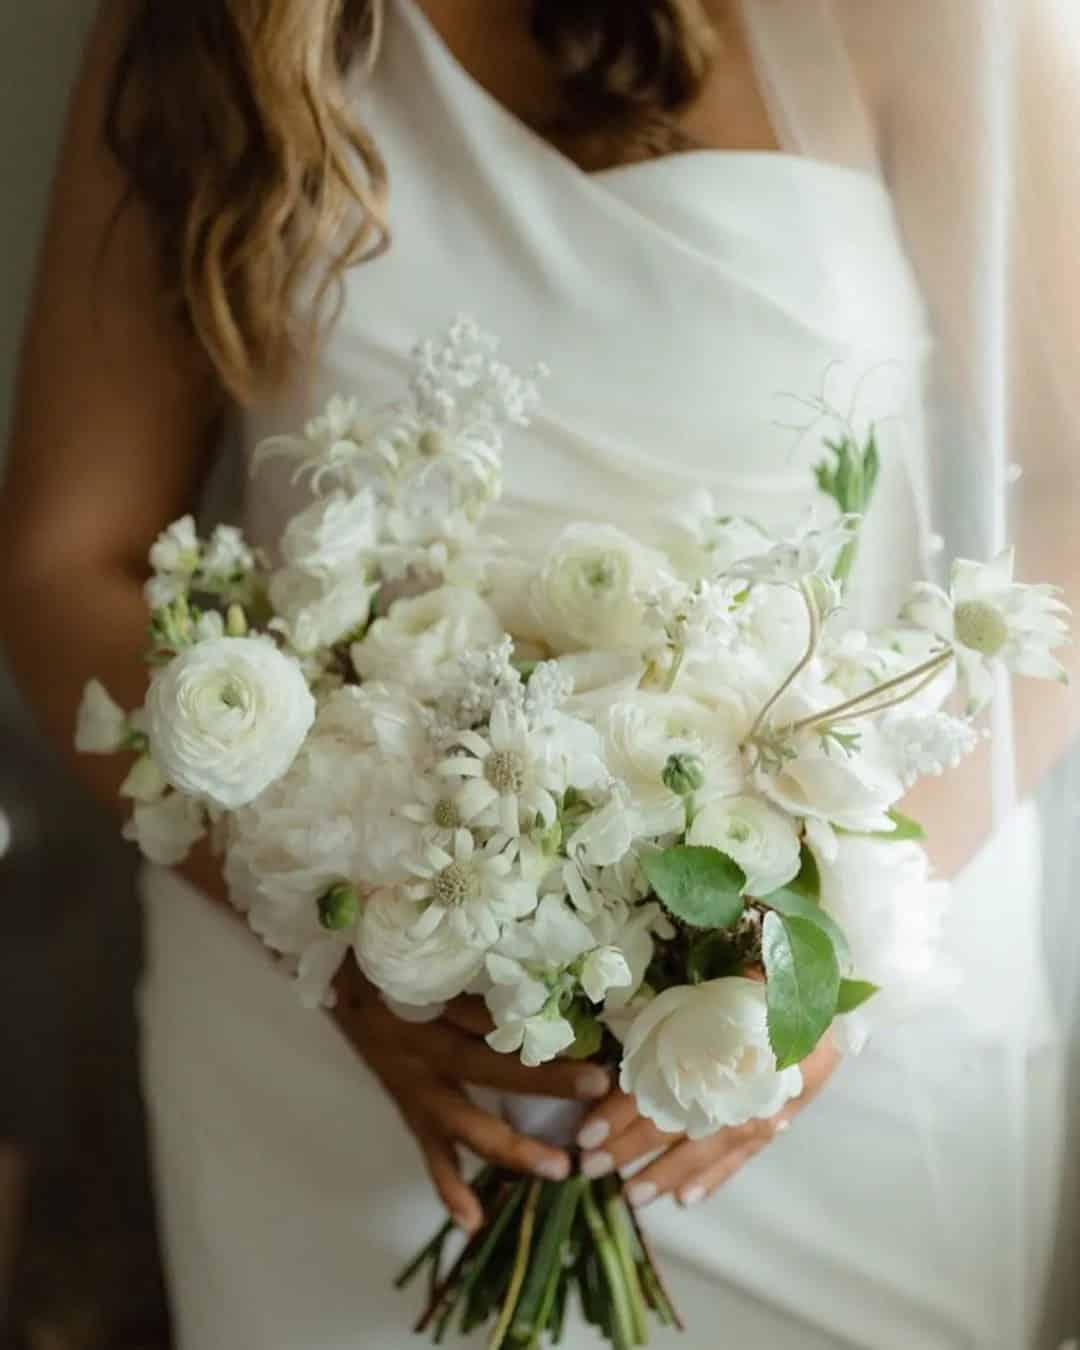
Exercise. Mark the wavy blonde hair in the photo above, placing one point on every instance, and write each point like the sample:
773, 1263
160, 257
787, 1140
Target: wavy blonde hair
234, 123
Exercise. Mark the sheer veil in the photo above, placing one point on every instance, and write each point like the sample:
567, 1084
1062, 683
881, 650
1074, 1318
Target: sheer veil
968, 109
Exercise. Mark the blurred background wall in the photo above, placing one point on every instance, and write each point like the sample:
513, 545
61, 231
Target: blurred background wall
78, 1258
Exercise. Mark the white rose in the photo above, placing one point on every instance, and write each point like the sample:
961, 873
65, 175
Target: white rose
102, 725
761, 839
318, 609
417, 971
697, 1057
417, 641
333, 532
167, 829
892, 913
643, 732
589, 590
227, 717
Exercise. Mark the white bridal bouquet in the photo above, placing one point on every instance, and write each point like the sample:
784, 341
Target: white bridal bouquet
638, 793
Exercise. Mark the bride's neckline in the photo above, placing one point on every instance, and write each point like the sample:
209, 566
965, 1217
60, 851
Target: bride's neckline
440, 50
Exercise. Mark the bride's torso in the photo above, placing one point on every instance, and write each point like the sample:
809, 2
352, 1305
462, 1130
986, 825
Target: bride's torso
691, 310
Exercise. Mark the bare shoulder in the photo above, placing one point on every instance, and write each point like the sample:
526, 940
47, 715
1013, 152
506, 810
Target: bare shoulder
114, 402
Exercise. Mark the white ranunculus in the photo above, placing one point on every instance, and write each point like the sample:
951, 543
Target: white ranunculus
761, 839
334, 532
415, 971
102, 725
319, 609
415, 643
849, 788
227, 717
166, 829
643, 732
589, 590
697, 1058
892, 913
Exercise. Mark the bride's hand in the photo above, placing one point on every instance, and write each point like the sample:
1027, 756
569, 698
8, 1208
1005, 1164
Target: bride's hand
425, 1066
615, 1136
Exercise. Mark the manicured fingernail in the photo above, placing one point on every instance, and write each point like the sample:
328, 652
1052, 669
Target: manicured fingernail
693, 1195
593, 1083
641, 1194
467, 1223
594, 1134
552, 1169
597, 1165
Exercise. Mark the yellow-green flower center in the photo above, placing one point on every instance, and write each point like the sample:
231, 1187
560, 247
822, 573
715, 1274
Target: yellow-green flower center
456, 884
505, 771
446, 815
981, 627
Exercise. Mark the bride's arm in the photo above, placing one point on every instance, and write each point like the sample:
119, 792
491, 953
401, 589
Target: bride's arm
116, 414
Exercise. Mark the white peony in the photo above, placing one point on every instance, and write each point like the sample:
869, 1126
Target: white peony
411, 970
643, 732
892, 913
762, 840
589, 591
333, 533
166, 829
316, 609
227, 717
102, 725
416, 644
697, 1058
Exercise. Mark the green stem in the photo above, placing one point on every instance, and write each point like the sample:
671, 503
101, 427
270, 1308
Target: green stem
521, 1264
432, 1247
622, 1328
814, 615
929, 668
615, 1211
495, 1231
536, 1302
649, 1264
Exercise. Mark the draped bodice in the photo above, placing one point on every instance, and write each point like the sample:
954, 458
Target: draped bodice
695, 312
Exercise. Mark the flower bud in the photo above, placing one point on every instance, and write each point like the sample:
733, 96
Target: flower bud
684, 774
339, 908
236, 624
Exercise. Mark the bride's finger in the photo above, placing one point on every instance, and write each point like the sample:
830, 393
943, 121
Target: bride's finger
639, 1140
444, 1168
469, 1014
700, 1187
614, 1114
453, 1115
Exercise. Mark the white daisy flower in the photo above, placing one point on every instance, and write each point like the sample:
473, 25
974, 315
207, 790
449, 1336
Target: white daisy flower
988, 617
475, 888
435, 809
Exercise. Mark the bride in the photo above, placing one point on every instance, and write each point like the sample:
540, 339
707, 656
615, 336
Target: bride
729, 228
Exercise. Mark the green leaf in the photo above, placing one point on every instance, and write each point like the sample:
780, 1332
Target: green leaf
589, 1032
701, 886
793, 905
803, 985
854, 993
808, 882
906, 828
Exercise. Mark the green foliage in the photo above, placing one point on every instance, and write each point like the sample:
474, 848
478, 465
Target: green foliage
701, 886
589, 1033
792, 905
803, 985
854, 993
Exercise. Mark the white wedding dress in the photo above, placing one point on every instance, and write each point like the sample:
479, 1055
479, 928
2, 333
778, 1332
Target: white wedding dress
682, 305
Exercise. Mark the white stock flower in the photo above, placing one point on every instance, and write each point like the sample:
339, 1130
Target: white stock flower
701, 540
892, 913
987, 617
167, 828
477, 890
762, 840
589, 590
926, 744
643, 732
226, 558
415, 971
514, 775
336, 531
176, 550
604, 969
102, 725
318, 609
697, 1058
226, 718
416, 644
